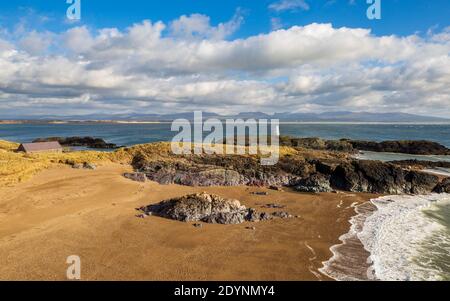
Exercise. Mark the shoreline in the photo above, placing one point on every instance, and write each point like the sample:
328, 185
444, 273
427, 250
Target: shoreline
351, 260
91, 213
367, 252
62, 201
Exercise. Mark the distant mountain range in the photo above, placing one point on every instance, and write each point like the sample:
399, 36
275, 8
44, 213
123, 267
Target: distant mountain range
283, 117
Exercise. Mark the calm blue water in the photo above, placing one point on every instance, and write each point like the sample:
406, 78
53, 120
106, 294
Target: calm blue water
130, 134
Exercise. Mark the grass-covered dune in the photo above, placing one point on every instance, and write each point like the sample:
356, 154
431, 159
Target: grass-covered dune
16, 167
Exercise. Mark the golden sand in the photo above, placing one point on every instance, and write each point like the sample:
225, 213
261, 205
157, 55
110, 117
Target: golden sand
91, 213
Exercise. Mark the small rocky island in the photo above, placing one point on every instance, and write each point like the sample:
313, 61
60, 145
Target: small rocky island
208, 208
89, 142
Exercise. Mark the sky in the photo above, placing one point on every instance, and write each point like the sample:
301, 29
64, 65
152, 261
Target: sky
225, 57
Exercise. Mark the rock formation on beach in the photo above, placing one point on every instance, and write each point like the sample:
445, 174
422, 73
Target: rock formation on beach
90, 142
208, 208
305, 168
316, 172
314, 183
418, 147
379, 177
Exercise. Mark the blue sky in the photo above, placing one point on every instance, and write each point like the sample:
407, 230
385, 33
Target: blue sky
228, 57
400, 17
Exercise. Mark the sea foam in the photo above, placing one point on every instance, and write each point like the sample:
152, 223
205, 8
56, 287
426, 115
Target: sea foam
392, 230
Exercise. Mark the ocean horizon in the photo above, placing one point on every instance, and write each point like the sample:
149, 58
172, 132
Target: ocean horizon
128, 134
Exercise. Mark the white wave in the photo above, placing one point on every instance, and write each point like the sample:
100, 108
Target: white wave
349, 260
392, 229
394, 233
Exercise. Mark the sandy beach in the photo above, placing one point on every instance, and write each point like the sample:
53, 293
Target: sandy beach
91, 213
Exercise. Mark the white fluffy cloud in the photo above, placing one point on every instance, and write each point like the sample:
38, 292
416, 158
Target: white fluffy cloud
199, 26
190, 64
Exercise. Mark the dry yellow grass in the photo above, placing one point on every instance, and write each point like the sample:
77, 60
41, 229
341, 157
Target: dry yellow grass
8, 146
17, 167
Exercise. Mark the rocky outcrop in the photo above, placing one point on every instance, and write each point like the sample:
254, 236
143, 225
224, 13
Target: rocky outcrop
317, 144
378, 177
200, 207
90, 142
234, 171
420, 183
305, 170
208, 208
315, 183
443, 187
419, 147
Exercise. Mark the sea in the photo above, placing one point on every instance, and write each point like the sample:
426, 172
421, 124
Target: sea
399, 237
138, 133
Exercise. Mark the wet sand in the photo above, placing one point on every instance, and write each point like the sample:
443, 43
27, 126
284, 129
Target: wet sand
62, 212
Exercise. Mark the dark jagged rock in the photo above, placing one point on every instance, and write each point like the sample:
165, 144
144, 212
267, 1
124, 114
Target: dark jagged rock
216, 171
443, 187
225, 218
317, 143
208, 208
315, 183
199, 207
326, 168
416, 147
421, 183
90, 142
378, 177
309, 171
253, 215
419, 147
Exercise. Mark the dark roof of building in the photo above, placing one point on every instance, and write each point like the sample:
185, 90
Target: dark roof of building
40, 146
